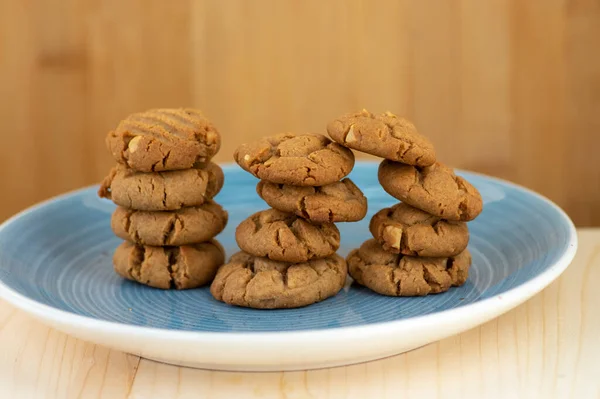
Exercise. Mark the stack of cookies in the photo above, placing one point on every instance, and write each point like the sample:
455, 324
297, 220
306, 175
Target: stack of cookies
288, 254
419, 245
163, 186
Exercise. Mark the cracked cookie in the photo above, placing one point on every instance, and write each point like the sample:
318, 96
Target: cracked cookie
410, 231
168, 228
162, 191
401, 275
261, 283
434, 189
299, 160
184, 267
336, 202
164, 139
286, 237
384, 135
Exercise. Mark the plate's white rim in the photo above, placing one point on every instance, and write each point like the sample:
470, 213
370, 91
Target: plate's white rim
500, 303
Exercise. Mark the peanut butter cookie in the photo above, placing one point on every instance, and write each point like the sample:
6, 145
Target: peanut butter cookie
384, 135
181, 227
162, 191
410, 231
336, 202
184, 267
164, 139
400, 275
261, 283
299, 160
286, 237
434, 189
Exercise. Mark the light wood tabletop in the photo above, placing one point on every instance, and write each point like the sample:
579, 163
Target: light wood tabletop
548, 347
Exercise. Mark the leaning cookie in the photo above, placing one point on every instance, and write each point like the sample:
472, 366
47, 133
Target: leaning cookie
299, 160
434, 189
384, 135
164, 139
162, 191
400, 275
409, 231
336, 202
286, 237
261, 283
181, 227
184, 267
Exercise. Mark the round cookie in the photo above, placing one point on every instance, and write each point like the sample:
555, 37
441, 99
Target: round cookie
181, 227
384, 135
400, 275
286, 237
261, 283
164, 139
162, 191
184, 267
299, 160
434, 189
410, 231
336, 202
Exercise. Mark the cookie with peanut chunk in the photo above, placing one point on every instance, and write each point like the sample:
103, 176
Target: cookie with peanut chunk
286, 237
384, 135
261, 283
167, 228
164, 139
336, 202
407, 230
162, 191
434, 189
400, 275
299, 160
184, 267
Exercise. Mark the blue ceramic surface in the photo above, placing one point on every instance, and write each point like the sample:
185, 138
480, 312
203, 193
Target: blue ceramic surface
60, 254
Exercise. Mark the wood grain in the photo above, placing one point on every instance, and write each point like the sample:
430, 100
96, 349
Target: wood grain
546, 348
505, 87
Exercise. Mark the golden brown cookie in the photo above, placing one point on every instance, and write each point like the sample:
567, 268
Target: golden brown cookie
384, 135
261, 283
434, 189
299, 160
181, 227
164, 139
407, 230
401, 275
336, 202
286, 237
162, 191
184, 267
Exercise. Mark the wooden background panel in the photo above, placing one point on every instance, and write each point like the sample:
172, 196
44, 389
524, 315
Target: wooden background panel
505, 87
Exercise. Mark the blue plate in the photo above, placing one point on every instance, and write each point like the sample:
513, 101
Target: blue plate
56, 262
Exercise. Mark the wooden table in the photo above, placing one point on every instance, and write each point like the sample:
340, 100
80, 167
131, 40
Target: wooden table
548, 347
